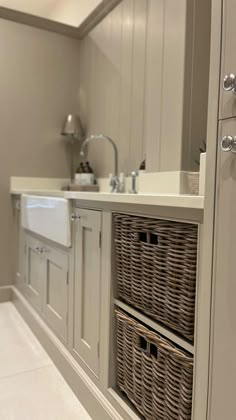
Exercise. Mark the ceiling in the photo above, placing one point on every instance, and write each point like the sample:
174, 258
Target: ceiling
70, 12
75, 18
41, 8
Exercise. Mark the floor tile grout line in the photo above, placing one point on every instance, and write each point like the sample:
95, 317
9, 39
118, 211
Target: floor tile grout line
50, 364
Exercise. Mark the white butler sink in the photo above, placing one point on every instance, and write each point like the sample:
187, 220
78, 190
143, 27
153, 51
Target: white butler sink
48, 217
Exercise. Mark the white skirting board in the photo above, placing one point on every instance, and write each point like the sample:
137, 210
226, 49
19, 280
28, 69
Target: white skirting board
86, 391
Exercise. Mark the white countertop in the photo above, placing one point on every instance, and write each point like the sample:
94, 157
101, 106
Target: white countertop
47, 192
54, 187
164, 200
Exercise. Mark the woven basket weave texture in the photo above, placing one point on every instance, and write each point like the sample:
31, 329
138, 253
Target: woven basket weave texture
154, 374
156, 263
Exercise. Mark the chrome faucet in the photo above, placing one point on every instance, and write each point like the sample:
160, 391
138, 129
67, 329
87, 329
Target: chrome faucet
115, 182
133, 189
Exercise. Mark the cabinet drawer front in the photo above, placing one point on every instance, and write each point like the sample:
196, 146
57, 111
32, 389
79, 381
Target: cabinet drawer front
87, 288
56, 291
228, 98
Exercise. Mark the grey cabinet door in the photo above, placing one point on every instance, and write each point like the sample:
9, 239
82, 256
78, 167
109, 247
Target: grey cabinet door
87, 288
223, 361
20, 252
34, 272
228, 66
55, 305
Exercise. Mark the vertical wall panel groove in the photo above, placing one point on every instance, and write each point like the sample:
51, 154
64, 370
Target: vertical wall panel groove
153, 83
138, 74
126, 86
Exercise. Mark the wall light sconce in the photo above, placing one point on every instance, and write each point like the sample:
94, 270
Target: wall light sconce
73, 131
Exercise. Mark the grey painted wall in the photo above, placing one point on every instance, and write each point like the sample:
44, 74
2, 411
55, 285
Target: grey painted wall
39, 74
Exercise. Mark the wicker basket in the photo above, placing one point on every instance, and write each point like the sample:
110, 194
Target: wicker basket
156, 269
154, 374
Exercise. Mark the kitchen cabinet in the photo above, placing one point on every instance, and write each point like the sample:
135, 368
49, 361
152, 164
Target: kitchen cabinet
20, 248
56, 281
34, 272
74, 291
87, 279
46, 282
228, 62
223, 363
47, 285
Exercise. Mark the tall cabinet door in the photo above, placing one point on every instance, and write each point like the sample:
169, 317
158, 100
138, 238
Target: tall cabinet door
228, 98
34, 272
87, 288
55, 305
223, 361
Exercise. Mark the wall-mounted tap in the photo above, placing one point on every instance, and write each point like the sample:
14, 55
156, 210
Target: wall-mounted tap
115, 182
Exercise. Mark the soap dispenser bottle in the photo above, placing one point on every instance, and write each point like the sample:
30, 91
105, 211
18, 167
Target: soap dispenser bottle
87, 177
90, 174
78, 175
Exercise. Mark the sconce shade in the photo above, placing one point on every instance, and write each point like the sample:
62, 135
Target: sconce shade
72, 127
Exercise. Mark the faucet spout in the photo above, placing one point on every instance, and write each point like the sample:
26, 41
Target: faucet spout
115, 184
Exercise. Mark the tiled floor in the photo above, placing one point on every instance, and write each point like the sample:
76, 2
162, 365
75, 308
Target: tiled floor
31, 388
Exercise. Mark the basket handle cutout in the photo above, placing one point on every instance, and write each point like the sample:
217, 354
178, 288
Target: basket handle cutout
153, 351
143, 344
147, 347
148, 238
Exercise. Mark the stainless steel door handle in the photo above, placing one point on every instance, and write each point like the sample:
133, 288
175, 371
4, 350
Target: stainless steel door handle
229, 83
228, 144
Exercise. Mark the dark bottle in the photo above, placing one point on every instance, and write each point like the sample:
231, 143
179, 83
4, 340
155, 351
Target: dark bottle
88, 168
80, 169
88, 175
143, 165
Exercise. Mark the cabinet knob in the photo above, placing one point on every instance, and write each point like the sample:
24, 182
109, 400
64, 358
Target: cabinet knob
228, 144
74, 218
229, 83
44, 251
18, 205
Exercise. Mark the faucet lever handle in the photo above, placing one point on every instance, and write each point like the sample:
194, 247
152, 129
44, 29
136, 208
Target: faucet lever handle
134, 175
114, 184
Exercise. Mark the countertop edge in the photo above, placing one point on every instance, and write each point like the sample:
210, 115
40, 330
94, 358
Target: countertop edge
163, 200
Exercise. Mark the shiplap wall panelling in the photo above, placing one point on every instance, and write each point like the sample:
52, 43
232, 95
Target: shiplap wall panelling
173, 85
144, 80
137, 148
113, 89
126, 85
153, 83
115, 82
200, 82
